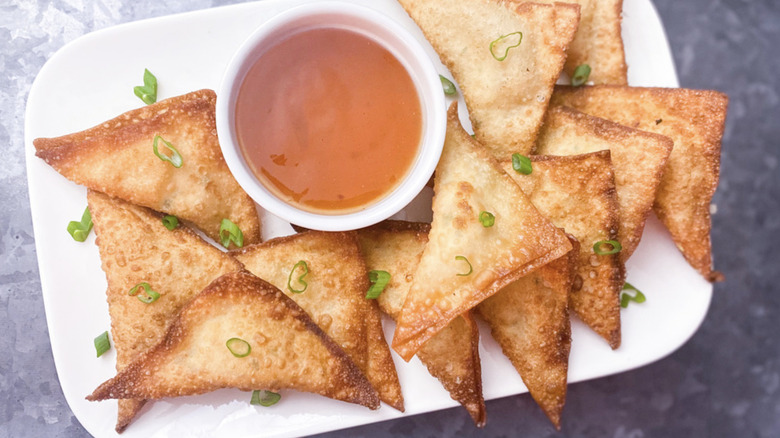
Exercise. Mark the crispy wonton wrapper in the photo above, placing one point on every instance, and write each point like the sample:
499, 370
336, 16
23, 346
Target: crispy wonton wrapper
638, 161
530, 321
334, 296
598, 42
451, 355
577, 193
135, 247
287, 350
465, 261
506, 99
117, 158
694, 120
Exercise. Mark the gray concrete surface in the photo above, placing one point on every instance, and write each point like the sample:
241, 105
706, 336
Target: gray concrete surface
725, 382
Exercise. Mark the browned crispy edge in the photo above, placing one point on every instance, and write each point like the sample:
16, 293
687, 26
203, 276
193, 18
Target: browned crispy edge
713, 127
224, 286
606, 129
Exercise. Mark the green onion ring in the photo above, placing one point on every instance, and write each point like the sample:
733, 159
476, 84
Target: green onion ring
615, 247
175, 159
170, 222
471, 269
148, 91
102, 344
581, 74
264, 398
626, 298
79, 231
149, 295
506, 52
487, 219
447, 86
238, 347
228, 231
300, 278
379, 280
522, 164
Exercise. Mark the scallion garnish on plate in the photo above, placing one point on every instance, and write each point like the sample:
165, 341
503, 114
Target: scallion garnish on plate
148, 91
175, 159
238, 347
102, 344
229, 232
79, 231
612, 247
379, 280
264, 398
468, 263
507, 44
300, 277
626, 297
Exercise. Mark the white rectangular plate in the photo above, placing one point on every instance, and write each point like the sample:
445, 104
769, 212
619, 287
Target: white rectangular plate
91, 80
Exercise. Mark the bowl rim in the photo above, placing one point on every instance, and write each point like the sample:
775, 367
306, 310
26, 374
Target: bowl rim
407, 50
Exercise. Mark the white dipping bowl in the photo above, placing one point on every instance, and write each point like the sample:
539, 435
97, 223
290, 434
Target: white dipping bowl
391, 36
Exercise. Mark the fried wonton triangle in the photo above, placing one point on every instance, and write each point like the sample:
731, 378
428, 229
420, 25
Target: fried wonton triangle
577, 193
286, 350
135, 247
638, 161
465, 261
117, 158
333, 295
598, 42
452, 354
530, 321
694, 120
506, 98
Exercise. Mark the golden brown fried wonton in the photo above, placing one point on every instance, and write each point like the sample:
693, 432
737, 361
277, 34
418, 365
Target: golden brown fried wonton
638, 161
694, 120
117, 158
288, 350
506, 98
465, 261
334, 297
577, 193
452, 354
136, 247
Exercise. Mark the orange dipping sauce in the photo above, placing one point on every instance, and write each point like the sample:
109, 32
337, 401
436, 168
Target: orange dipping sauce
329, 121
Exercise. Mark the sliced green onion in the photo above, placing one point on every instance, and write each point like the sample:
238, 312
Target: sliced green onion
522, 164
79, 231
625, 298
147, 92
487, 219
448, 86
300, 278
175, 159
581, 74
228, 231
170, 222
506, 52
102, 344
379, 280
614, 247
238, 347
149, 296
468, 262
264, 398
